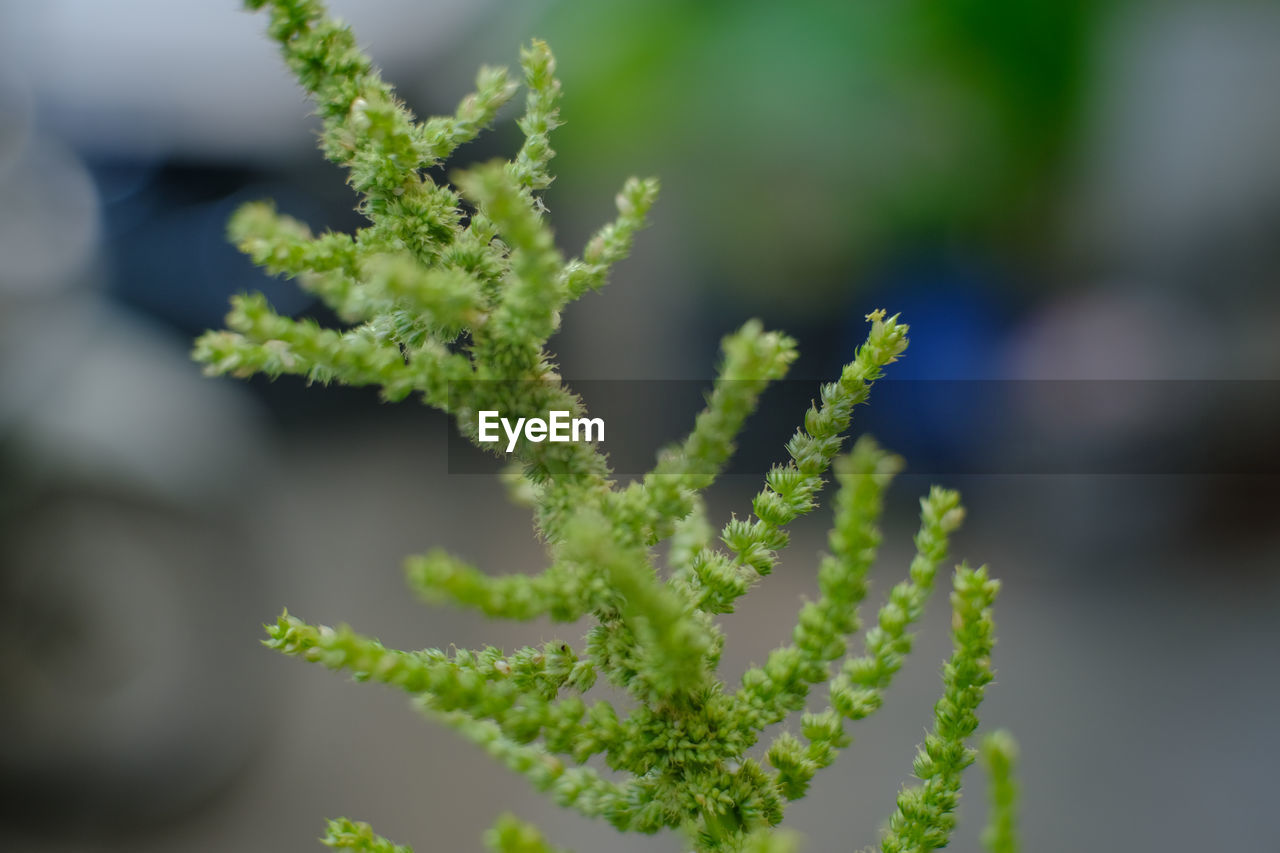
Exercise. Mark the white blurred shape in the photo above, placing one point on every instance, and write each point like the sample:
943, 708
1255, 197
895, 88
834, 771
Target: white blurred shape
1109, 332
152, 77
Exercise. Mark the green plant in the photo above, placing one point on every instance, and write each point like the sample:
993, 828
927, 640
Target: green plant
453, 295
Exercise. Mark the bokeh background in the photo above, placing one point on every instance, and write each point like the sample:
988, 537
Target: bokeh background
1047, 191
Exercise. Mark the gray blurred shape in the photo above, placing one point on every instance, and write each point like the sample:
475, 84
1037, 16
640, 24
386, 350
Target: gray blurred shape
194, 78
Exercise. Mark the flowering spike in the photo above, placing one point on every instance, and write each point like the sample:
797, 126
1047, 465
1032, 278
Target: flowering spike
437, 137
541, 116
611, 243
926, 812
858, 690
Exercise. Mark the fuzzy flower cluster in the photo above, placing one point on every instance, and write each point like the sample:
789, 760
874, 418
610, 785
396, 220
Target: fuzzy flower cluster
449, 289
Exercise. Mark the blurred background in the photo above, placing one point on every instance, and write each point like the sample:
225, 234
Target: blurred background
1076, 205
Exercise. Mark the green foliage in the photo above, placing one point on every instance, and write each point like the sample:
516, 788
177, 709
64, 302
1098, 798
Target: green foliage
895, 124
447, 291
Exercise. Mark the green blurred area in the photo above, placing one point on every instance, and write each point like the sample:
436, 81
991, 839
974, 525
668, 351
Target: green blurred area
809, 138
